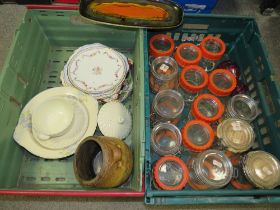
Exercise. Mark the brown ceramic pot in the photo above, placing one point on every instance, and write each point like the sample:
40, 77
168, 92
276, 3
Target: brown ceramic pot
114, 167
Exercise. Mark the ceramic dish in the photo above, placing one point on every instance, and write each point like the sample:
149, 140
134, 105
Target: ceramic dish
23, 134
114, 120
120, 96
96, 68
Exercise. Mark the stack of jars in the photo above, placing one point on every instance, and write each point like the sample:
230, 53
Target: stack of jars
202, 133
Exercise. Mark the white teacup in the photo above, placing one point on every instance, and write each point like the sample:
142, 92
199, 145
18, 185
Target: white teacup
52, 118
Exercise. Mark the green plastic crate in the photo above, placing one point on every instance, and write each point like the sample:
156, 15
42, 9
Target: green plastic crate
41, 47
244, 46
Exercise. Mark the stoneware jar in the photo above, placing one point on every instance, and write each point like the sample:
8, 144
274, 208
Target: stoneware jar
102, 161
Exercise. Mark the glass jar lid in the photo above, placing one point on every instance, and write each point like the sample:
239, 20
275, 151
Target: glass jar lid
161, 45
170, 173
207, 107
188, 54
168, 104
262, 169
166, 139
212, 48
221, 82
243, 107
193, 78
197, 135
164, 68
236, 134
213, 168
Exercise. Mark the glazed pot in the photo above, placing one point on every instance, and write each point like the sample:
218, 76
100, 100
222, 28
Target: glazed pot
102, 161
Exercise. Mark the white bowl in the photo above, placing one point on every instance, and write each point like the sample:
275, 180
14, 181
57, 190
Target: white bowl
52, 118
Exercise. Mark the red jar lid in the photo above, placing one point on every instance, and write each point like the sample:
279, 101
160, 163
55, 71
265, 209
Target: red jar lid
210, 54
165, 41
203, 131
214, 111
187, 84
173, 160
221, 82
191, 56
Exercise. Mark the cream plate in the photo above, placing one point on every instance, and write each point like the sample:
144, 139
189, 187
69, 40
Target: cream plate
96, 68
23, 133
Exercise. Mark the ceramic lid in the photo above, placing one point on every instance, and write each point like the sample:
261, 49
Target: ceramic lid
262, 169
236, 134
114, 120
23, 134
96, 68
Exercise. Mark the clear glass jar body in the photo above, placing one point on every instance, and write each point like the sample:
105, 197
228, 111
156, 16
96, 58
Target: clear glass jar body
192, 81
163, 74
210, 169
166, 139
213, 49
167, 106
170, 173
243, 107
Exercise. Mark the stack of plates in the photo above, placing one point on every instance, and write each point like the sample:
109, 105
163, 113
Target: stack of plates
55, 121
99, 71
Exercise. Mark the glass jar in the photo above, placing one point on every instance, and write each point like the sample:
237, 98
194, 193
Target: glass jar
243, 107
262, 169
221, 82
197, 135
163, 74
239, 180
212, 49
207, 107
167, 106
236, 135
192, 80
161, 45
187, 54
210, 169
170, 173
166, 139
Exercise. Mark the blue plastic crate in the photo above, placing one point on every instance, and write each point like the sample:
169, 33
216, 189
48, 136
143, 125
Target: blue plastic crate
244, 46
197, 6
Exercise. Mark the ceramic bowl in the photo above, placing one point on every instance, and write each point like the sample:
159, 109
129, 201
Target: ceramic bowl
52, 118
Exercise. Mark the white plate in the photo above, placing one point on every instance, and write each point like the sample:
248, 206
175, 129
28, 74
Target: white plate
96, 69
23, 133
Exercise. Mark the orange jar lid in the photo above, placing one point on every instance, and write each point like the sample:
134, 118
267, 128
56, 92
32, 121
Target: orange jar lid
221, 82
170, 164
193, 78
203, 138
207, 107
188, 54
212, 48
161, 45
